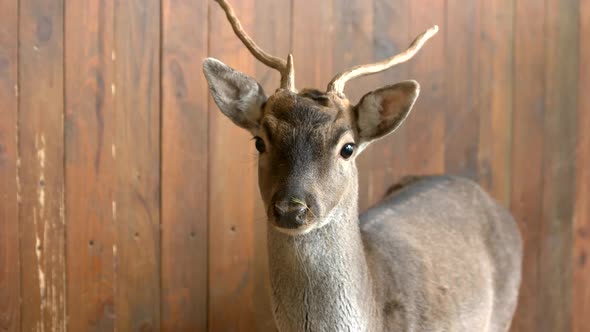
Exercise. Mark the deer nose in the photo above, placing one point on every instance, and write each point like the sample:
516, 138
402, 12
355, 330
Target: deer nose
289, 214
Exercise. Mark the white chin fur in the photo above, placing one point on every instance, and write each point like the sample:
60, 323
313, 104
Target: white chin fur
297, 231
321, 222
302, 230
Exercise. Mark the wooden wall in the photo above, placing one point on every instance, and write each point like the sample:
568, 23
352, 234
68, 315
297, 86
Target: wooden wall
128, 202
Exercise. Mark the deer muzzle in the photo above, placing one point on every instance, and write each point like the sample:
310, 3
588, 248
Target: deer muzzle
290, 214
292, 208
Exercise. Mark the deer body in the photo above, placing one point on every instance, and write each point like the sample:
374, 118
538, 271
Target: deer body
438, 254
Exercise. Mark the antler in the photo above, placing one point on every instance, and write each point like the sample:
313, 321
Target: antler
285, 67
338, 82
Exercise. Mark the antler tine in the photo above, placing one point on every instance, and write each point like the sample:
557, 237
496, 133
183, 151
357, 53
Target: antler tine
338, 82
285, 67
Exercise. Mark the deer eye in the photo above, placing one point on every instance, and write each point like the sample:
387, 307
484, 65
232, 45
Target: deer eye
347, 150
259, 143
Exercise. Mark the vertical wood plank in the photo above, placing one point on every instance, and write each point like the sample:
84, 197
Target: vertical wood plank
555, 239
495, 73
462, 114
136, 207
9, 230
313, 43
90, 164
383, 163
273, 30
41, 149
232, 188
184, 166
581, 244
527, 150
425, 127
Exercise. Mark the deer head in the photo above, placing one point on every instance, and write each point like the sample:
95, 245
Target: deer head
308, 141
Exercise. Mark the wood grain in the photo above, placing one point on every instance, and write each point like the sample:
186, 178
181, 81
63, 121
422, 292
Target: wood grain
461, 34
136, 206
425, 127
495, 82
581, 244
184, 166
9, 241
555, 250
313, 43
272, 28
90, 164
527, 151
232, 182
41, 146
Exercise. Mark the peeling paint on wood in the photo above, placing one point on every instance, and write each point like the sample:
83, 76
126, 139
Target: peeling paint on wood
114, 211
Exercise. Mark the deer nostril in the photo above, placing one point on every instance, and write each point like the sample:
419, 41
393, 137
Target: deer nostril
299, 211
289, 215
278, 211
299, 215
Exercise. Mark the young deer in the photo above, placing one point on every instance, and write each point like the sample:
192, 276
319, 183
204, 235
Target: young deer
438, 254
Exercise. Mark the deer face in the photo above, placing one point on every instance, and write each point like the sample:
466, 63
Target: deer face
306, 164
307, 141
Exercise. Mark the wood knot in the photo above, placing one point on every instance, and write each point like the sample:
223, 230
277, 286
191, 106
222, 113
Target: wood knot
582, 259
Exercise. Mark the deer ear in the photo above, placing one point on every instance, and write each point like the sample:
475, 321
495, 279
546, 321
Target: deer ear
238, 96
382, 111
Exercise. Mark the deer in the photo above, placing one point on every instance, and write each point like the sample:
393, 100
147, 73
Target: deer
437, 253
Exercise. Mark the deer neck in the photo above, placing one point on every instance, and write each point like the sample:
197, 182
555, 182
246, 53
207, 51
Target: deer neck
320, 281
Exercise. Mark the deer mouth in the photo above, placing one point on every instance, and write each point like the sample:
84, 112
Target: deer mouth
292, 216
292, 220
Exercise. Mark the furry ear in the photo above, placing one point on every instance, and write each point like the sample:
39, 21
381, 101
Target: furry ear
382, 111
238, 96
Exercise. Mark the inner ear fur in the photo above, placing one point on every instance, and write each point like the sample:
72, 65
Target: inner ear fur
237, 95
382, 111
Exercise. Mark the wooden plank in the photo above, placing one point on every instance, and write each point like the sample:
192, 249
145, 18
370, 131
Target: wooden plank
9, 230
462, 113
555, 238
313, 43
41, 139
495, 71
184, 166
90, 164
425, 128
581, 244
273, 30
384, 162
527, 150
136, 207
232, 183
